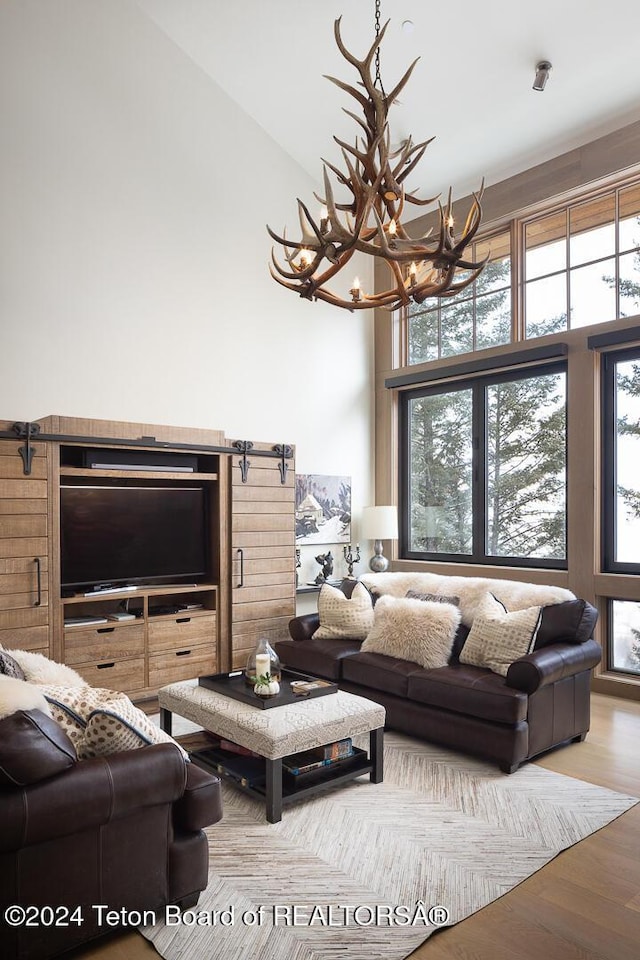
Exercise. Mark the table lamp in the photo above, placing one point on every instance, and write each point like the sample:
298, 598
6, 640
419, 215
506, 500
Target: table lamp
378, 524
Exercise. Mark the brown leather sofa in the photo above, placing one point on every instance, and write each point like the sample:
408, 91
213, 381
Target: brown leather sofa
543, 701
124, 831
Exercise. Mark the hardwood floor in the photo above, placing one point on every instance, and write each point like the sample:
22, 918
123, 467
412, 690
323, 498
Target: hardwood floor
584, 905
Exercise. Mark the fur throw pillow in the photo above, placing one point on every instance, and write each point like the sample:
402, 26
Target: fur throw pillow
20, 695
39, 669
421, 631
341, 617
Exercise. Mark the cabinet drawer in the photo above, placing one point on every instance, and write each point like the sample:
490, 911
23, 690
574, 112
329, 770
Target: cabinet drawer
183, 629
88, 644
182, 664
125, 675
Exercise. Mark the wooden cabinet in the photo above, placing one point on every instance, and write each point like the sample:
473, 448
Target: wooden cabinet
178, 631
24, 549
262, 552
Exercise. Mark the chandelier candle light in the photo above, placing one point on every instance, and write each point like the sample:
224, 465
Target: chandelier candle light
369, 221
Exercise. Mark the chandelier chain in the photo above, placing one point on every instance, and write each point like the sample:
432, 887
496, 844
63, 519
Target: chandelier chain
378, 78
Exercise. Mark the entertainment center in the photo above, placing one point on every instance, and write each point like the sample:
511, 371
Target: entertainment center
142, 554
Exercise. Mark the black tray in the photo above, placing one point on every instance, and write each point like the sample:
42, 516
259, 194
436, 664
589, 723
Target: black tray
233, 685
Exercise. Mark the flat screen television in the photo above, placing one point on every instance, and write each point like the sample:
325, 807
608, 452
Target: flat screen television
127, 534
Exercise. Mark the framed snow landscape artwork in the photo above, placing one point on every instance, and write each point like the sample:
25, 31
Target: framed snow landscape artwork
323, 509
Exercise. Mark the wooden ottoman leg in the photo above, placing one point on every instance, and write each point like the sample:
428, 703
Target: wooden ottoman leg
376, 755
165, 720
274, 790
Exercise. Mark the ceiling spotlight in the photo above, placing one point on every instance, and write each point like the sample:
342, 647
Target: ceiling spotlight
542, 74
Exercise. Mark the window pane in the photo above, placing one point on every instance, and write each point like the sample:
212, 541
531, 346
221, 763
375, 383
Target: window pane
440, 473
493, 319
546, 306
456, 325
625, 629
526, 468
629, 284
423, 336
497, 272
592, 230
546, 248
593, 293
629, 214
627, 457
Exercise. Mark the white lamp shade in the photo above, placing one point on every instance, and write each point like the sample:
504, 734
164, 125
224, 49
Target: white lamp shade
379, 523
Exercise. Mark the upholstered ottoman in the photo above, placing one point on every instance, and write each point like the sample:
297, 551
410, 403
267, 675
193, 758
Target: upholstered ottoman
280, 731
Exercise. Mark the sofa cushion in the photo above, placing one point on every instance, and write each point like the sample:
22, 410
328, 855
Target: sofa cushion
342, 617
497, 637
72, 706
433, 597
32, 748
10, 667
570, 622
375, 670
118, 725
416, 630
320, 658
469, 690
19, 695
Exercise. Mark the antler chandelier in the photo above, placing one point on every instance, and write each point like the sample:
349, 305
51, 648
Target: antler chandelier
370, 220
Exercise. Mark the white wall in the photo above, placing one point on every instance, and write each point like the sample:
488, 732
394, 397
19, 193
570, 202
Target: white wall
133, 252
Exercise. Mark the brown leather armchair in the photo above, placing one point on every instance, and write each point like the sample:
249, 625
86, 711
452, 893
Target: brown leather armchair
123, 831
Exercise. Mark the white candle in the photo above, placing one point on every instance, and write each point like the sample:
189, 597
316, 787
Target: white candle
263, 664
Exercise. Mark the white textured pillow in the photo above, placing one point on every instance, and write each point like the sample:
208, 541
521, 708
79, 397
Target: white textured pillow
421, 631
118, 726
20, 695
344, 618
39, 669
497, 638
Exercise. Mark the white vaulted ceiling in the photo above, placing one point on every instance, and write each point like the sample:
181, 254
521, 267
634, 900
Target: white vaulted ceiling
471, 88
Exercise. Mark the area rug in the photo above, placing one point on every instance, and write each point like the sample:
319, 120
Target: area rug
368, 872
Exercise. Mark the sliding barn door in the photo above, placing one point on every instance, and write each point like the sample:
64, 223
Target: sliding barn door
262, 549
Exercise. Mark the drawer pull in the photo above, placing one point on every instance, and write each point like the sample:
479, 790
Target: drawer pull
105, 666
183, 620
183, 653
105, 630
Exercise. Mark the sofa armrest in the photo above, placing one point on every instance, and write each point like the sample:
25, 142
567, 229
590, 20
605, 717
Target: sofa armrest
91, 794
545, 666
303, 628
201, 803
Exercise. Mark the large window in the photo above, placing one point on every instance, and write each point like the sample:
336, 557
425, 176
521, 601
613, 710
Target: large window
484, 470
621, 486
624, 636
